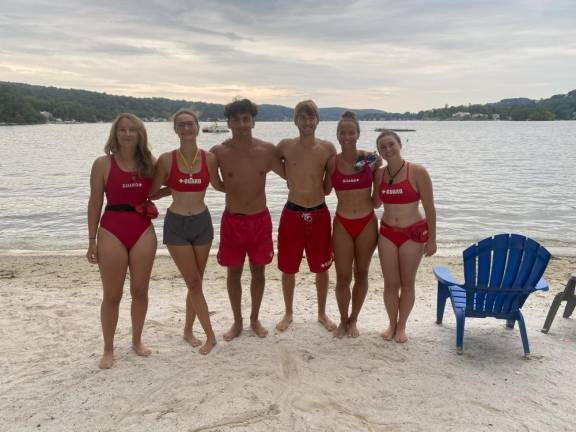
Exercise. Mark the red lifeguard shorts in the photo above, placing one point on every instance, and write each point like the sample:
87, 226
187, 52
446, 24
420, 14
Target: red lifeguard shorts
303, 229
242, 235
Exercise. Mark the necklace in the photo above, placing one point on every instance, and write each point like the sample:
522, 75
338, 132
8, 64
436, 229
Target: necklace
190, 165
392, 176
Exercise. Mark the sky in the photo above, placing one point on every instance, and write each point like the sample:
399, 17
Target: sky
396, 56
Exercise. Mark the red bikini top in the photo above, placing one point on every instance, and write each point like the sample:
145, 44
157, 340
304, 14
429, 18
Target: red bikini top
399, 193
359, 180
123, 187
185, 182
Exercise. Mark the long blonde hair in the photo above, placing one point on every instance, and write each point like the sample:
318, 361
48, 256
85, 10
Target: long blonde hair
143, 156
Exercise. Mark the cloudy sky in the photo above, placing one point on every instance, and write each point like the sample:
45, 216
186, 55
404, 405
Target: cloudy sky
393, 55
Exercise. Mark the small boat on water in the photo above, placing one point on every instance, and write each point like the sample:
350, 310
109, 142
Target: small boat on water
215, 128
395, 130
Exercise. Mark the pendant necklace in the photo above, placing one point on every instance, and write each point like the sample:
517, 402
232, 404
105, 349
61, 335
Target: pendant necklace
392, 176
190, 165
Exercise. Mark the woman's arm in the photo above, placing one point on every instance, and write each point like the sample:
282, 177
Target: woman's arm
95, 202
330, 165
215, 179
376, 188
424, 185
161, 171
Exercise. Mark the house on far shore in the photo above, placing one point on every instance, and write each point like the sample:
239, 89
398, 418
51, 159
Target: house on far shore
461, 115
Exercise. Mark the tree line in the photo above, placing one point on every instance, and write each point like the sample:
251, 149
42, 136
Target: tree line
31, 104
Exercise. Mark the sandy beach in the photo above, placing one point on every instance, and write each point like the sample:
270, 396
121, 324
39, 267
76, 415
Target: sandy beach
301, 380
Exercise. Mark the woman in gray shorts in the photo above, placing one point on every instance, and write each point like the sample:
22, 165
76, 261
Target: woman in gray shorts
188, 230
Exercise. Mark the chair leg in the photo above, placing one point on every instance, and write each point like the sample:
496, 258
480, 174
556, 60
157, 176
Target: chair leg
523, 335
442, 296
569, 307
460, 319
510, 323
569, 295
552, 312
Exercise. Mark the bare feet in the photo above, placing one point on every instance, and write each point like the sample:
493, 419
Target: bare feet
141, 350
340, 331
234, 331
106, 360
191, 339
284, 322
326, 322
258, 329
400, 335
388, 334
207, 347
353, 330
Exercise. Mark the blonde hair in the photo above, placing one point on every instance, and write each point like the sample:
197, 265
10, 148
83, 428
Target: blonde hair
143, 156
350, 117
306, 107
185, 111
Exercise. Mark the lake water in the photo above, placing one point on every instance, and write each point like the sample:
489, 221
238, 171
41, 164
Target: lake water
488, 177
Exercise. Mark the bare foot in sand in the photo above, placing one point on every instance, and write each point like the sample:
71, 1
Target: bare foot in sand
191, 339
388, 334
340, 331
207, 347
326, 322
258, 329
284, 322
234, 331
106, 360
141, 350
353, 330
400, 335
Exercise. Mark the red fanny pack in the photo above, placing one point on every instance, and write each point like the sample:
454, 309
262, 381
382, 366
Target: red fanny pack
148, 209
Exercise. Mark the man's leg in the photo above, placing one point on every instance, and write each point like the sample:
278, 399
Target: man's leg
234, 285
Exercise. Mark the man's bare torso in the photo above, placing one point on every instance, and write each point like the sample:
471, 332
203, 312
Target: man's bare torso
244, 167
305, 164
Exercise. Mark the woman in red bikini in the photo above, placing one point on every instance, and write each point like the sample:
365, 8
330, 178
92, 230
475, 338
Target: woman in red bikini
188, 230
405, 235
122, 238
355, 231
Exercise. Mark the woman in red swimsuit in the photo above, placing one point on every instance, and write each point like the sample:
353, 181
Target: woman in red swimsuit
122, 239
355, 231
188, 230
405, 235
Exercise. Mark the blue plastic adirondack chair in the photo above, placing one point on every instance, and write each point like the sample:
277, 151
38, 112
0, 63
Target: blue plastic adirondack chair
499, 274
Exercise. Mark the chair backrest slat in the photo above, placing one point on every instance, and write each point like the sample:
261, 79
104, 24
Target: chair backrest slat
499, 258
469, 257
484, 265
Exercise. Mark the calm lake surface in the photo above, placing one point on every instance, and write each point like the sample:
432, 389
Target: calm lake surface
488, 177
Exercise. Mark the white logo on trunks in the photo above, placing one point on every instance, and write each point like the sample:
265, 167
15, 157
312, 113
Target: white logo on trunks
326, 264
131, 185
190, 181
354, 180
307, 217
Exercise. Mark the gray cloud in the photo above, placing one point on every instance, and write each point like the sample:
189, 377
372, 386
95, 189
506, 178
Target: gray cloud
387, 54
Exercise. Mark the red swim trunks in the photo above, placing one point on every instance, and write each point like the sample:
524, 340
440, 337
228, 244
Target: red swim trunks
303, 229
242, 235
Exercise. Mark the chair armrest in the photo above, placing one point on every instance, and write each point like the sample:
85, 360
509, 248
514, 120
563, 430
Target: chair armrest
542, 285
444, 276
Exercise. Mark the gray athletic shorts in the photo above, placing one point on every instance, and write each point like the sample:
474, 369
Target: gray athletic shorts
195, 230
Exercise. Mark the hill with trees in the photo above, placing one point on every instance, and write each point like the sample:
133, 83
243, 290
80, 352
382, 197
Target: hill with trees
31, 104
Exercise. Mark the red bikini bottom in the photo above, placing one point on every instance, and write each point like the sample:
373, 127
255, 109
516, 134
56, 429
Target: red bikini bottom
417, 232
354, 226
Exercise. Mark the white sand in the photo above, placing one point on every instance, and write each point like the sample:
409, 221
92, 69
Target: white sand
302, 380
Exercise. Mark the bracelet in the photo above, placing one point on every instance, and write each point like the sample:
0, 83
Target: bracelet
91, 238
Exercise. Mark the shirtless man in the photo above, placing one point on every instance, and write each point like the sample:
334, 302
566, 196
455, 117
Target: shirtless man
305, 223
246, 227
